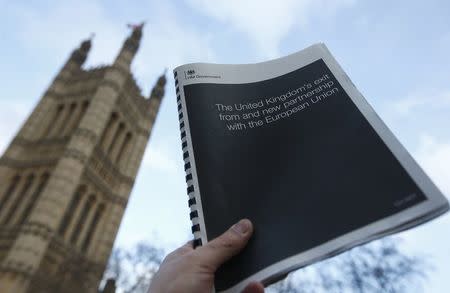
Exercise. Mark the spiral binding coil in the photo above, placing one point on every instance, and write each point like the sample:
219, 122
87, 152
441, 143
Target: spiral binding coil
187, 168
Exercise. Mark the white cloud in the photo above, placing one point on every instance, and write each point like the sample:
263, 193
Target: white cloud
13, 115
267, 22
432, 98
434, 156
58, 27
55, 29
159, 158
168, 43
431, 239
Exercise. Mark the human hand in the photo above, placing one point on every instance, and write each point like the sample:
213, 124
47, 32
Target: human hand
192, 270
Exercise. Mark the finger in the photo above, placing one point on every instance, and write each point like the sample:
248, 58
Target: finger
254, 287
215, 253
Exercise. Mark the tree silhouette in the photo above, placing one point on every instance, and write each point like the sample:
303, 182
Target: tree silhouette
380, 266
133, 269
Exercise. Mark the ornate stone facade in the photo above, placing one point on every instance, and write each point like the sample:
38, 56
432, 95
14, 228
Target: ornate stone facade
66, 177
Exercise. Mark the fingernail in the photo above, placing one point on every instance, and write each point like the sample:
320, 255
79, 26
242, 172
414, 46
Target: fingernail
242, 227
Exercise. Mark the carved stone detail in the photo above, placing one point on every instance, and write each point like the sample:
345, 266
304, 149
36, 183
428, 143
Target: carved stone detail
87, 133
76, 154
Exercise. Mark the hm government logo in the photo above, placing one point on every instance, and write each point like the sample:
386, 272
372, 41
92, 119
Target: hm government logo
191, 74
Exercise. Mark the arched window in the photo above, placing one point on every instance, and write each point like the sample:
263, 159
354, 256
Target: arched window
109, 131
65, 119
116, 137
92, 226
69, 120
9, 192
71, 210
84, 108
76, 119
32, 201
19, 199
52, 123
124, 147
81, 220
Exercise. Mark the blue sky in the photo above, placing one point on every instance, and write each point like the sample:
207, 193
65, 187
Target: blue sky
396, 52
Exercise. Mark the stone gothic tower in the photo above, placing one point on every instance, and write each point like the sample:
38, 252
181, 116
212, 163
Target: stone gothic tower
66, 177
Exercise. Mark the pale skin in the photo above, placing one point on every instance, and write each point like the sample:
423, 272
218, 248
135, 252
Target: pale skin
191, 270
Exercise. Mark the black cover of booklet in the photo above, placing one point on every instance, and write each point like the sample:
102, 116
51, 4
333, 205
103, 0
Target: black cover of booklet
293, 146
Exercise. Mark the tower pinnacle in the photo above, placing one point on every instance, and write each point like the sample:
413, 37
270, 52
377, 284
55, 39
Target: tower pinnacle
80, 54
131, 44
158, 89
133, 41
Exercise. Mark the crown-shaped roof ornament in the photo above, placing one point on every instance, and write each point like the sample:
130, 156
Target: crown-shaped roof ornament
135, 26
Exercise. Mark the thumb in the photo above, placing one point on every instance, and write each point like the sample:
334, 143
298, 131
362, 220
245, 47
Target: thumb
214, 253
